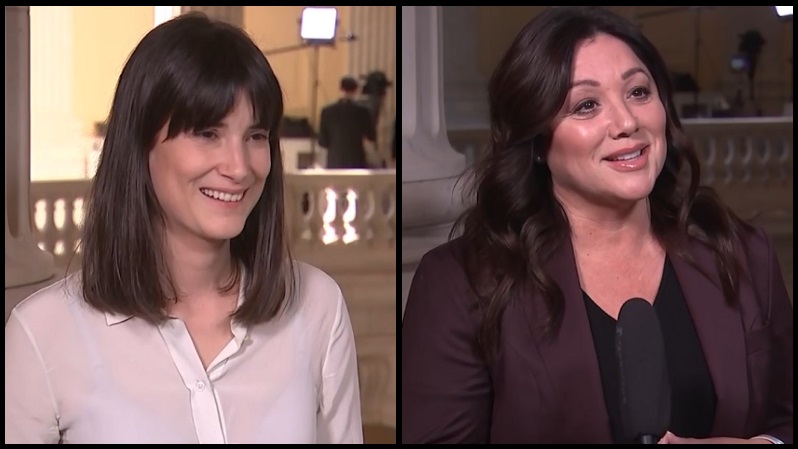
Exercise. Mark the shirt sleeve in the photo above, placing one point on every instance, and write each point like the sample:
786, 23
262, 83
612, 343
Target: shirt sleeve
340, 420
31, 416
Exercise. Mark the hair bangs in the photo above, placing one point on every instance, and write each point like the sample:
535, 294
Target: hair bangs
205, 86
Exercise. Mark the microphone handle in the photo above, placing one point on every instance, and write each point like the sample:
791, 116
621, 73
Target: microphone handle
646, 439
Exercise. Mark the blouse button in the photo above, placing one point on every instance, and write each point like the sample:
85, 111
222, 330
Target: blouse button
200, 385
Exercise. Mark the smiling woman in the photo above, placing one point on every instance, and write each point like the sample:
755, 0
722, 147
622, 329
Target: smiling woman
189, 321
589, 195
208, 181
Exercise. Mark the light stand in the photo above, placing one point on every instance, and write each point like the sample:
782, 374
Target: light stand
317, 28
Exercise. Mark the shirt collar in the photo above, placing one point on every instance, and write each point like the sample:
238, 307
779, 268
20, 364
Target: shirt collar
239, 331
114, 318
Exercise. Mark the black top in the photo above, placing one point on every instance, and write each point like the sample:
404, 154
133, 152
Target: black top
692, 391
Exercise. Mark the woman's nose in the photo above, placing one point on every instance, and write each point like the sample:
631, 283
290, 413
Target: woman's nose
624, 122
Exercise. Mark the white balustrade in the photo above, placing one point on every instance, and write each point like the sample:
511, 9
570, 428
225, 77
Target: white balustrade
749, 161
325, 210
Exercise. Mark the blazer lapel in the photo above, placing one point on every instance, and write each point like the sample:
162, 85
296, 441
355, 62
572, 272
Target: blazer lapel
570, 358
720, 331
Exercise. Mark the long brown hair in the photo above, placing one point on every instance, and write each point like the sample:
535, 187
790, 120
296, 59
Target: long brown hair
516, 223
187, 72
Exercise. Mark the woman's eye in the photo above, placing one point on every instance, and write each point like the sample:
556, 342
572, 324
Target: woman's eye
641, 92
586, 107
206, 134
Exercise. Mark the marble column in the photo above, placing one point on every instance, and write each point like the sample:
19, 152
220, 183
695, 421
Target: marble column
464, 88
430, 166
60, 146
229, 14
27, 266
374, 49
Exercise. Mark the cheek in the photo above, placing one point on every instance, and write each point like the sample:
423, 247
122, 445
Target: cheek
158, 169
573, 142
261, 163
655, 119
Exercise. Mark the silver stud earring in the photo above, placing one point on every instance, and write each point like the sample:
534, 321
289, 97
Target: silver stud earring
536, 155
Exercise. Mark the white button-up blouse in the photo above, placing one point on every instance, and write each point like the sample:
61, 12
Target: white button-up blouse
81, 376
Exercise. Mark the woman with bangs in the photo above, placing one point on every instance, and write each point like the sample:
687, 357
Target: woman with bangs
189, 321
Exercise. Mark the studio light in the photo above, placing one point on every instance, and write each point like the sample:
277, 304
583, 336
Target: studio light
318, 24
784, 11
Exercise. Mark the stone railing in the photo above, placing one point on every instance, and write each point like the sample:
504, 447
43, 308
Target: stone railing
326, 210
749, 161
342, 221
341, 208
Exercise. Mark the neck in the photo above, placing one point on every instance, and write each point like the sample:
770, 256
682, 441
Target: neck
199, 268
349, 95
624, 228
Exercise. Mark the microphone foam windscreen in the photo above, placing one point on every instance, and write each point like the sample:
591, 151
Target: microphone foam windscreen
643, 371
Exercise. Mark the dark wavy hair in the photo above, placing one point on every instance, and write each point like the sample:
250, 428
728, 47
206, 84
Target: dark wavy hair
188, 72
515, 222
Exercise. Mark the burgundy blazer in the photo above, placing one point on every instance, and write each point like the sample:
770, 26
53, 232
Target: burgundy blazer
549, 391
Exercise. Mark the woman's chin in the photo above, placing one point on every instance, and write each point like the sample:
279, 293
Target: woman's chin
223, 232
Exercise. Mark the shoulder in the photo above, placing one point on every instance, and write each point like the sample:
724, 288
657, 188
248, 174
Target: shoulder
760, 256
757, 240
314, 281
319, 297
756, 252
49, 304
440, 283
47, 314
753, 241
446, 258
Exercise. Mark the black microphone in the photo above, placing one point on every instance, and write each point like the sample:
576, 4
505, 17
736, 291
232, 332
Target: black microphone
643, 373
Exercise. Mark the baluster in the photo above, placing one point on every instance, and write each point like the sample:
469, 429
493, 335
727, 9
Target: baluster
77, 218
364, 204
40, 220
341, 205
387, 213
375, 218
744, 161
737, 144
370, 218
322, 213
712, 160
306, 197
784, 163
69, 231
60, 219
50, 230
765, 165
356, 228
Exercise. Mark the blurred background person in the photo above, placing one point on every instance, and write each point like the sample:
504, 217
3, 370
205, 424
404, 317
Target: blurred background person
346, 129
